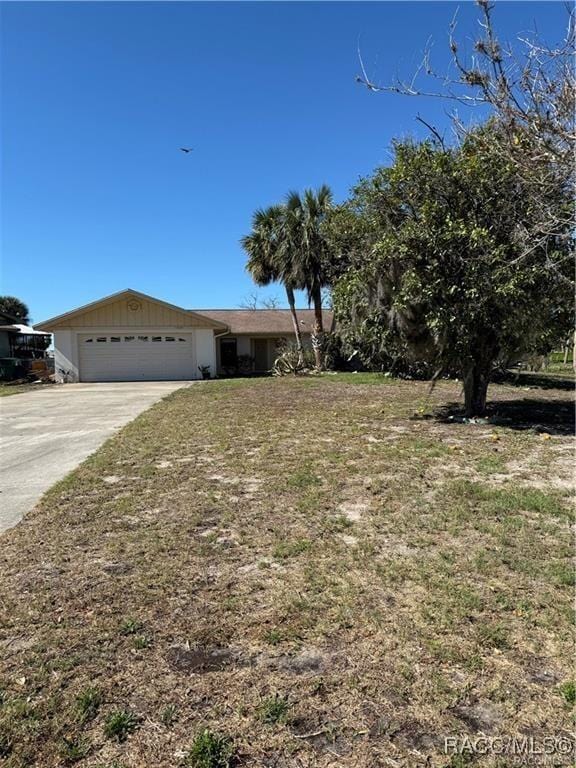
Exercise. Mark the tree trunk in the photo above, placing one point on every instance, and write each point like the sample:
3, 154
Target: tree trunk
297, 333
318, 330
476, 380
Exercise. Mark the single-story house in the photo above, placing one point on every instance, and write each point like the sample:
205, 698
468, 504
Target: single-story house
130, 336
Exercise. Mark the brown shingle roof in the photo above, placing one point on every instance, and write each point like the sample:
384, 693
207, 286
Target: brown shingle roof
265, 320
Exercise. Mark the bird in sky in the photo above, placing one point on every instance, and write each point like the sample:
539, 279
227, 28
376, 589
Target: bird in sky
186, 149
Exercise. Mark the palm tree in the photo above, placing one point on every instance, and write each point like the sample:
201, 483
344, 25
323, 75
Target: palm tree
304, 215
15, 308
270, 259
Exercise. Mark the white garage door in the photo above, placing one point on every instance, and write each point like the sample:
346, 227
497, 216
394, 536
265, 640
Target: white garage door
137, 357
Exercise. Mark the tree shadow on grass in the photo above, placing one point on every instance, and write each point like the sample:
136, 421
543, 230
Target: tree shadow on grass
563, 382
553, 417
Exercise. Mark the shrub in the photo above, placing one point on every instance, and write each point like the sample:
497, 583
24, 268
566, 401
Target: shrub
291, 362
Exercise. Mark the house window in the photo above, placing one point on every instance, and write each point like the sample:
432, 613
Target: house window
228, 353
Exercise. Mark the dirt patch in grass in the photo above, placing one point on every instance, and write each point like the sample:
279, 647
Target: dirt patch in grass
201, 660
390, 580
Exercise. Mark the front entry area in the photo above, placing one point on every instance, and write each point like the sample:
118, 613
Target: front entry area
261, 354
244, 355
136, 356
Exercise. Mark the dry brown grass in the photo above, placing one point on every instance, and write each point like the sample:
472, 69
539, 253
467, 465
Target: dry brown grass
8, 388
392, 579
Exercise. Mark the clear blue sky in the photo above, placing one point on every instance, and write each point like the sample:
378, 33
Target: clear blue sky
98, 97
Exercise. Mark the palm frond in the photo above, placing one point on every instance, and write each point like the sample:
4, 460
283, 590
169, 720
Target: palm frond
287, 244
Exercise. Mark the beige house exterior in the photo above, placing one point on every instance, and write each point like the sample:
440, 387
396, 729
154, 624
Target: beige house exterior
131, 336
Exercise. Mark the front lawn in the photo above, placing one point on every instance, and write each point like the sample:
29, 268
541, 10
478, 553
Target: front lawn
311, 572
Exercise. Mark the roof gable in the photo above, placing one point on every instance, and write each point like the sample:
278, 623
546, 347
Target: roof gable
129, 308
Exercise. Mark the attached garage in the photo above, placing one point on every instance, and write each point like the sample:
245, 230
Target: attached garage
133, 337
137, 357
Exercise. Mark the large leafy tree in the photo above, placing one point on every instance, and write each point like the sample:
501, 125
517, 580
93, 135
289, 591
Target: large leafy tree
270, 257
305, 217
15, 308
433, 250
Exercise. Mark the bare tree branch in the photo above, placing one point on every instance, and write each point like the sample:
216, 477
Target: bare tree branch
432, 130
530, 89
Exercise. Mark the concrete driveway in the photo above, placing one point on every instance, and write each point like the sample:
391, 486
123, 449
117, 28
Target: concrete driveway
45, 434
